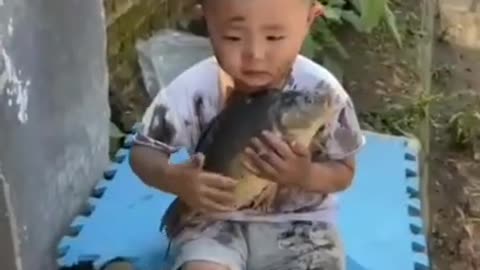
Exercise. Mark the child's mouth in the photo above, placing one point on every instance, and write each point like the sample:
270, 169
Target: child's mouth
256, 75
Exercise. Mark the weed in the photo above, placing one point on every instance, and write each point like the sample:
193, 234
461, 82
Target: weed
116, 137
402, 118
464, 128
363, 15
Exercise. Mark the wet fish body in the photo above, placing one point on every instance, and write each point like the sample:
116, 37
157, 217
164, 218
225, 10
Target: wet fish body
296, 115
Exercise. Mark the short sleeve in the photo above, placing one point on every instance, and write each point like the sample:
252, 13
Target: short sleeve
345, 137
161, 125
179, 112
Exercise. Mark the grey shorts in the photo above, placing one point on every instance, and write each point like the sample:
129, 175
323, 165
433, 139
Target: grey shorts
262, 246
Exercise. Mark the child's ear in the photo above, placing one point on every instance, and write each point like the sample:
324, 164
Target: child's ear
317, 10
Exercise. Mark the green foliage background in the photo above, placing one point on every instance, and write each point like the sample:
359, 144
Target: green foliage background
363, 15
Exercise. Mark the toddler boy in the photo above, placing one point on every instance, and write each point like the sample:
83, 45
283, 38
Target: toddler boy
256, 46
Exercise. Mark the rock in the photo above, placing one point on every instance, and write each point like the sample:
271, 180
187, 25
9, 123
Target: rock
474, 206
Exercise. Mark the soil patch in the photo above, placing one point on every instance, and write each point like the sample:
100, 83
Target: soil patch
455, 181
386, 83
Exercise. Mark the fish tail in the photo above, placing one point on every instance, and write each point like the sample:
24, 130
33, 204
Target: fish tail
171, 222
167, 252
170, 213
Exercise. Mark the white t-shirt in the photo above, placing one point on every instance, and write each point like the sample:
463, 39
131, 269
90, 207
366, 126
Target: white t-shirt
180, 112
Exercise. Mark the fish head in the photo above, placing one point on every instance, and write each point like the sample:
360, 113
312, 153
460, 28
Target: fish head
300, 114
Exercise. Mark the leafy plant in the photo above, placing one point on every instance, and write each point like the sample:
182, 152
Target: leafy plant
116, 137
400, 119
464, 128
363, 15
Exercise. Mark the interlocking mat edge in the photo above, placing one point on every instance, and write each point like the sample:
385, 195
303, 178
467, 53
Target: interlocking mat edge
121, 220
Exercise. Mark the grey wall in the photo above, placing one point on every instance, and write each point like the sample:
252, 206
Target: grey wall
53, 121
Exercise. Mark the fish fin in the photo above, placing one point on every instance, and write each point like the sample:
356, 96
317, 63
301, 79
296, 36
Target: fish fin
198, 160
169, 214
167, 252
175, 217
264, 201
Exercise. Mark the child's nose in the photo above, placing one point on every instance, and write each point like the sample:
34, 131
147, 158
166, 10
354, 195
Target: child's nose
255, 50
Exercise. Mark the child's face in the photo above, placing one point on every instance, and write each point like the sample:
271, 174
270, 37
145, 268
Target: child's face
256, 41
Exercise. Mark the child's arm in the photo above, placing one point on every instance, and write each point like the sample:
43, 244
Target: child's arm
204, 191
201, 190
294, 165
152, 167
328, 167
339, 172
344, 142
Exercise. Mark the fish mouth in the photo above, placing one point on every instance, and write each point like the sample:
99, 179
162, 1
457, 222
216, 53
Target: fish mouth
305, 114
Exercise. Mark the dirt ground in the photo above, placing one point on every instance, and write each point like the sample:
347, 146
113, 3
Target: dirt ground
455, 182
386, 81
382, 77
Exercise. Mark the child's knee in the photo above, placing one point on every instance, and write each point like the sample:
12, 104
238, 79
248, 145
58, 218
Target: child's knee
203, 265
221, 247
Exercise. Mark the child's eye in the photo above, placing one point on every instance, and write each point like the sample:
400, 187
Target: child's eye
275, 38
231, 38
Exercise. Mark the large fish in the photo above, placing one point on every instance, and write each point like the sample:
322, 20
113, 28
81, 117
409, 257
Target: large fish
296, 115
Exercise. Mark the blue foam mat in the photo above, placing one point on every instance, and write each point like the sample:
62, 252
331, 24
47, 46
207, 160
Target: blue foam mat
379, 215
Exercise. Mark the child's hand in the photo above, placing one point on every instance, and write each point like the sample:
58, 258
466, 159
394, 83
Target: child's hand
286, 163
207, 192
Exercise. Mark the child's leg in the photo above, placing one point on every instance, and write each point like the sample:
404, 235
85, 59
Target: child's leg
294, 246
219, 247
